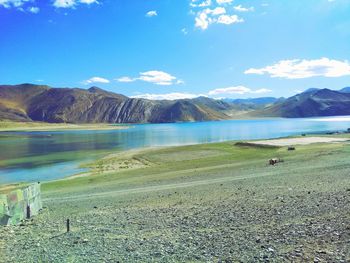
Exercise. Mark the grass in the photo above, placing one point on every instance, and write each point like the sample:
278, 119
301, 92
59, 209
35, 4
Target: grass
174, 164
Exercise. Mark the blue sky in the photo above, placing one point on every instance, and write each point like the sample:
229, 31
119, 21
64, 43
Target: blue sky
177, 48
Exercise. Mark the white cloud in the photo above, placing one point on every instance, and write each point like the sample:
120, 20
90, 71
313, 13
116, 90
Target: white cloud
299, 69
216, 15
56, 3
202, 21
200, 4
34, 9
72, 3
206, 17
151, 13
220, 2
125, 79
64, 3
95, 80
216, 11
13, 3
227, 20
258, 91
154, 76
89, 2
157, 77
237, 90
167, 96
240, 8
240, 90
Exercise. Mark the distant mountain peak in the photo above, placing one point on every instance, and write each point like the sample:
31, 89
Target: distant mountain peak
97, 90
317, 102
311, 90
345, 90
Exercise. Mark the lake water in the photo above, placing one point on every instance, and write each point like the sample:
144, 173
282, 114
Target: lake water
40, 156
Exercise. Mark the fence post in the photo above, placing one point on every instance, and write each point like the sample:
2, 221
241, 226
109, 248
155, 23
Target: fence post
68, 225
28, 211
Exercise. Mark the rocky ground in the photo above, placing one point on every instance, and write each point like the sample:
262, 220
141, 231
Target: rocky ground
211, 210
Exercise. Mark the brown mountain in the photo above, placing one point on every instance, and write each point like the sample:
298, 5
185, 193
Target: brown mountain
311, 103
29, 102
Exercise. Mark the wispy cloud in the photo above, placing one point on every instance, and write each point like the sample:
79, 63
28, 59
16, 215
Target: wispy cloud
240, 8
72, 3
34, 9
240, 90
151, 13
220, 2
18, 4
125, 79
214, 15
167, 96
299, 69
29, 5
95, 80
237, 90
153, 76
227, 20
157, 77
198, 3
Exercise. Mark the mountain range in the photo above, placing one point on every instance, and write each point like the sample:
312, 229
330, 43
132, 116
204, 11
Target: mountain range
29, 102
311, 103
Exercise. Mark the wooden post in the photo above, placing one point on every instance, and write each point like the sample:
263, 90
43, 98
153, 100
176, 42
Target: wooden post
28, 211
68, 225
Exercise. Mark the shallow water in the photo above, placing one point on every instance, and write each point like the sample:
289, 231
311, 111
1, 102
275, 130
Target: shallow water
41, 156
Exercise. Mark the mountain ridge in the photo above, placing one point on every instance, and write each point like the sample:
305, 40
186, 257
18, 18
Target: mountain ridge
29, 102
320, 102
75, 105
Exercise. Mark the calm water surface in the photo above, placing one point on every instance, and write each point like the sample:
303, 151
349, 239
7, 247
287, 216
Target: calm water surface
40, 156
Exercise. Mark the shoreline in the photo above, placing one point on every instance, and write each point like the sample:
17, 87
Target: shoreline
44, 126
294, 140
32, 126
88, 165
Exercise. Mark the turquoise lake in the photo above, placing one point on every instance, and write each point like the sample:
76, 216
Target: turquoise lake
41, 156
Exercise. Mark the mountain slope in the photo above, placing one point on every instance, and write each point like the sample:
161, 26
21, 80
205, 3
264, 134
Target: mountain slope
14, 100
322, 102
345, 90
256, 101
29, 102
42, 103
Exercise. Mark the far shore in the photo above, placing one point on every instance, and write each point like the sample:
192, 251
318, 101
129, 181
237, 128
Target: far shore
7, 126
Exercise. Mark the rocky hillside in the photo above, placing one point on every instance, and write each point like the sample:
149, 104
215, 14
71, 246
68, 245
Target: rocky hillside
313, 102
29, 102
253, 103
